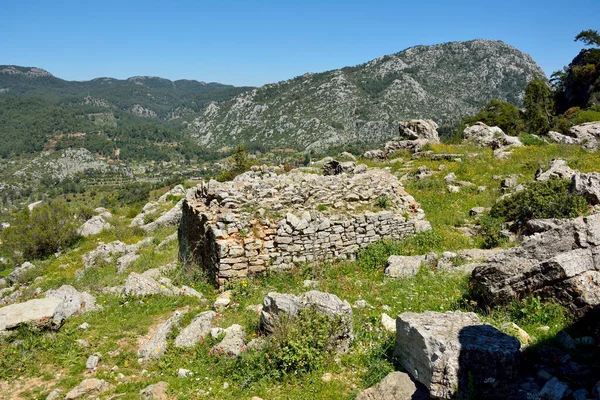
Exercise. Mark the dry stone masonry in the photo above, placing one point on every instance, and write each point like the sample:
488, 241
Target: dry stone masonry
262, 220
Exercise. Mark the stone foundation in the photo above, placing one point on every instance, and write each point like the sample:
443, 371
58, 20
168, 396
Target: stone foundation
263, 221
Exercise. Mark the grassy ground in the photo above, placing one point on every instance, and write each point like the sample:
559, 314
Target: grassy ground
38, 361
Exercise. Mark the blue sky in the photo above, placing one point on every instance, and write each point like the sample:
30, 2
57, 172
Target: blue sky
256, 42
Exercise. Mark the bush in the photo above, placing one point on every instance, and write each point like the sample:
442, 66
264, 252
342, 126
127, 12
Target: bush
547, 199
492, 232
46, 229
301, 344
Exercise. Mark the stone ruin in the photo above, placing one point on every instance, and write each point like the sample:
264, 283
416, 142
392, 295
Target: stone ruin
263, 220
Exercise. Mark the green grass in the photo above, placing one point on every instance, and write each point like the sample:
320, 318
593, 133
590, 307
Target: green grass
122, 321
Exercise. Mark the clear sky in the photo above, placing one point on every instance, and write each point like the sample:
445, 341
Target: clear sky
249, 42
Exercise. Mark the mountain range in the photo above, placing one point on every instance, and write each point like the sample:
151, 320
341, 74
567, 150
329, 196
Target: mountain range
315, 111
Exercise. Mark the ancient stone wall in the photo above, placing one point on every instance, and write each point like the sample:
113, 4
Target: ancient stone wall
262, 220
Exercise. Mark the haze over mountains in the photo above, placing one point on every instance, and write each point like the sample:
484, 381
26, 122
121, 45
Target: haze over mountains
360, 104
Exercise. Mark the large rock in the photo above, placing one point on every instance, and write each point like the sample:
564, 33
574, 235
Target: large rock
233, 343
72, 302
403, 266
561, 260
558, 169
154, 348
419, 129
334, 167
587, 185
196, 330
395, 386
447, 351
143, 285
176, 191
490, 136
157, 391
93, 226
19, 273
32, 311
170, 218
276, 304
88, 388
587, 134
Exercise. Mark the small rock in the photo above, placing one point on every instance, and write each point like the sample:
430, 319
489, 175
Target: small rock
477, 211
158, 391
225, 385
360, 304
233, 343
553, 390
84, 326
222, 301
183, 373
92, 362
89, 387
327, 377
565, 340
54, 395
310, 284
395, 386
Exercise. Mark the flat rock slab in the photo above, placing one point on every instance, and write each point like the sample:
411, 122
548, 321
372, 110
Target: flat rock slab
89, 387
396, 386
445, 351
27, 312
157, 345
403, 266
196, 330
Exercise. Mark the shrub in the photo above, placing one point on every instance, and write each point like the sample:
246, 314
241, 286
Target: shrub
547, 199
383, 201
492, 232
46, 229
301, 344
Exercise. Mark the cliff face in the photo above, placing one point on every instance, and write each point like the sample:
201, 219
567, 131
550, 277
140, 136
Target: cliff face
365, 103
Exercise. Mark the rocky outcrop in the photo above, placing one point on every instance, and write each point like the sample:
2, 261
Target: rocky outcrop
170, 218
557, 169
32, 311
587, 186
19, 273
52, 311
93, 226
156, 346
395, 386
491, 136
233, 343
262, 220
445, 351
277, 304
587, 134
416, 129
88, 388
560, 260
72, 302
196, 330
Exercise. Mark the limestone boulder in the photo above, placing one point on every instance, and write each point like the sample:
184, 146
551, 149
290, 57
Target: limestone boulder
277, 304
19, 273
196, 330
587, 134
143, 285
93, 226
444, 351
587, 185
170, 218
157, 391
72, 302
558, 169
560, 260
233, 343
32, 311
490, 136
419, 129
395, 386
156, 346
88, 388
176, 191
403, 266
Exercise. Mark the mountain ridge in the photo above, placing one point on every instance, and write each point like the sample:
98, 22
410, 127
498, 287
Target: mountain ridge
361, 103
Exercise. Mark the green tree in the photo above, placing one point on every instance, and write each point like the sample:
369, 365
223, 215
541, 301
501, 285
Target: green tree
501, 114
538, 107
46, 229
589, 37
240, 158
